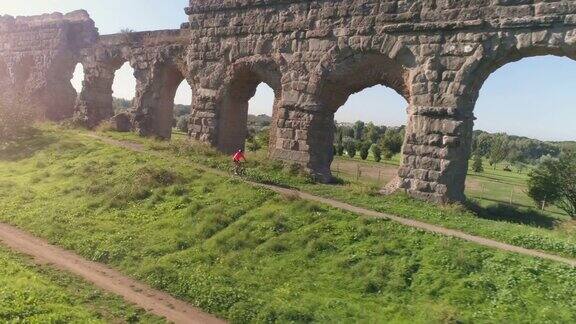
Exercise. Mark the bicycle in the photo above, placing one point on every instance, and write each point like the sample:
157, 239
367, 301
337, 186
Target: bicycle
238, 169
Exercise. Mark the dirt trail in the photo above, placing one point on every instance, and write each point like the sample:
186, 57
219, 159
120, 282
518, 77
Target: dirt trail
153, 301
374, 214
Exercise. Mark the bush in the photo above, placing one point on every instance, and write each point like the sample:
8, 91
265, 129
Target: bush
351, 151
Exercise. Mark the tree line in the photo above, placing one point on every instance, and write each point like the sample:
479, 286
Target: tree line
365, 138
500, 147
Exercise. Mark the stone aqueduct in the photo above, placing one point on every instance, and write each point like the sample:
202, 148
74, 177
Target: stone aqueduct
313, 53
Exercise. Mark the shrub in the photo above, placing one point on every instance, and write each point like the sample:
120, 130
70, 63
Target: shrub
364, 150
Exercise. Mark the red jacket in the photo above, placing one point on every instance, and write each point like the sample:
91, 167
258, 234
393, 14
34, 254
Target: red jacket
239, 156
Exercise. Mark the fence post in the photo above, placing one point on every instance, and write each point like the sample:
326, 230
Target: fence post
511, 196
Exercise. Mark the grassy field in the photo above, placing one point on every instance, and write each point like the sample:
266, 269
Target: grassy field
250, 255
521, 226
31, 294
488, 189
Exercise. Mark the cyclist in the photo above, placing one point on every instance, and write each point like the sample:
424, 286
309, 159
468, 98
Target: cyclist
237, 159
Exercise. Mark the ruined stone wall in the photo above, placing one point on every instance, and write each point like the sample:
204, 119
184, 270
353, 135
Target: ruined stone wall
313, 53
158, 60
37, 59
39, 53
435, 53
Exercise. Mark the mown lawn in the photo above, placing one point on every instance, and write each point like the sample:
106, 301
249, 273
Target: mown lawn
32, 294
251, 255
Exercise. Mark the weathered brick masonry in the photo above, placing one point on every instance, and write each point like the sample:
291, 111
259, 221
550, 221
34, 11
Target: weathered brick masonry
314, 54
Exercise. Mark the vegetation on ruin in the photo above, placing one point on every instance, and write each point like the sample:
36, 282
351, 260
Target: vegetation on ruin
32, 294
251, 255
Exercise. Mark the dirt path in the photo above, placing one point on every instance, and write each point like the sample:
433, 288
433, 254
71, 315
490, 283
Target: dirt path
374, 214
151, 300
423, 226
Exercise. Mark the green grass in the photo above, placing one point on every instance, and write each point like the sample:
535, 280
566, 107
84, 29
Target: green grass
32, 294
521, 226
250, 255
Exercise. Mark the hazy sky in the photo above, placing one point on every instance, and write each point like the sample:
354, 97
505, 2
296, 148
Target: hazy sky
535, 97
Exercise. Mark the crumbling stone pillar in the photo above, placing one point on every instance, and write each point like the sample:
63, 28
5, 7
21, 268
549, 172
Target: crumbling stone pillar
435, 154
154, 102
203, 117
95, 103
40, 53
304, 135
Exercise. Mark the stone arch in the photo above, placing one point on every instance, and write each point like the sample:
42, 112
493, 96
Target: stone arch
490, 56
170, 78
501, 50
346, 77
95, 102
242, 80
358, 72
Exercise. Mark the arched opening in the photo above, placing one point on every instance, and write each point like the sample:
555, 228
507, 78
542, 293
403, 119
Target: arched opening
182, 107
370, 131
233, 113
123, 87
173, 88
260, 111
78, 78
366, 140
524, 114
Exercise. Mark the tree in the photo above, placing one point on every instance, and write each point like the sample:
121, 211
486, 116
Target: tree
477, 164
359, 130
350, 146
377, 152
554, 182
499, 149
182, 124
391, 143
364, 150
339, 149
371, 133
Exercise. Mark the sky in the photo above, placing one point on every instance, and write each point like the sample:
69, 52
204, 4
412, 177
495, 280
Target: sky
535, 97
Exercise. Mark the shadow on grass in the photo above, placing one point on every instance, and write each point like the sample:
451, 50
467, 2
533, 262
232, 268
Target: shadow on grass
512, 214
26, 145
